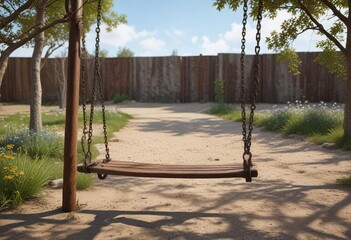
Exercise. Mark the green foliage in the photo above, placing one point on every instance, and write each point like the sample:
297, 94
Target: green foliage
174, 52
320, 123
23, 24
275, 121
37, 145
103, 53
305, 15
312, 121
219, 90
221, 109
125, 52
20, 178
84, 180
289, 56
333, 60
29, 160
120, 97
344, 181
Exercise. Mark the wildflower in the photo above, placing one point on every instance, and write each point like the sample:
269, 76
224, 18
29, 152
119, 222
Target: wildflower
8, 157
8, 177
21, 173
9, 146
13, 169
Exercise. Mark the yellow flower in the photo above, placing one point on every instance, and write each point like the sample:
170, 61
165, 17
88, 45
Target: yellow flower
8, 177
9, 157
9, 146
21, 173
13, 169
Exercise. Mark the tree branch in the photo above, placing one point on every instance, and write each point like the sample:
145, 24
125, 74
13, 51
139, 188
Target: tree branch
306, 29
30, 36
12, 16
337, 13
50, 50
321, 28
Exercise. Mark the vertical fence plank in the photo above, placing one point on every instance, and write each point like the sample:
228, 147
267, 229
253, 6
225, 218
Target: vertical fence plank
184, 79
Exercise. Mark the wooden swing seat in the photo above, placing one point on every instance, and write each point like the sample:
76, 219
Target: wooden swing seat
135, 169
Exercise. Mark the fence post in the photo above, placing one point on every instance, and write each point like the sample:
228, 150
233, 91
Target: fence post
71, 126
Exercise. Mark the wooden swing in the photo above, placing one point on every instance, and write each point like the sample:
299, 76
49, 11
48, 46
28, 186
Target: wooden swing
123, 168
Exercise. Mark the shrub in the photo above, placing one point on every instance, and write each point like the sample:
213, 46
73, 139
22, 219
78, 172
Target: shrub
120, 97
84, 180
219, 90
220, 109
37, 145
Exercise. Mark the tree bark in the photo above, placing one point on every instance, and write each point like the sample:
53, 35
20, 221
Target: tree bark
35, 123
3, 67
347, 114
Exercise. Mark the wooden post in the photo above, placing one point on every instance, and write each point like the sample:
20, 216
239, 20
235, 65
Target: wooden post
71, 127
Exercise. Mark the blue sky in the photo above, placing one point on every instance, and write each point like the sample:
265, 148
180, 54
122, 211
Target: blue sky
192, 27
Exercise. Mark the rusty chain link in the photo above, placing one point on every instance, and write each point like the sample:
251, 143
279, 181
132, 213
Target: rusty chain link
247, 131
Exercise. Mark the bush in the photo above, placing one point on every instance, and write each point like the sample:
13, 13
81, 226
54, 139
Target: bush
220, 109
37, 145
120, 97
219, 90
84, 180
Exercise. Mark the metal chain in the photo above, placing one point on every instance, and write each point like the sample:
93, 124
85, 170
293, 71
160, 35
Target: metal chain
97, 76
247, 135
242, 82
83, 95
256, 75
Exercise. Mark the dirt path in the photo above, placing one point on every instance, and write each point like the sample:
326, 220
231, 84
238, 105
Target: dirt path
294, 197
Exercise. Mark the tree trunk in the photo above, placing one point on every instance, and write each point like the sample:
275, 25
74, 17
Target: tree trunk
35, 123
63, 83
347, 114
3, 67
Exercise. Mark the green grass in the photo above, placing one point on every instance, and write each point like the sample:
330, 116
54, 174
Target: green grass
120, 97
20, 179
29, 160
221, 109
318, 123
344, 181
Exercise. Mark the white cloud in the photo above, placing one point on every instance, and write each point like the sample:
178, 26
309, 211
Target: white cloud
212, 48
194, 39
152, 44
175, 33
178, 33
234, 34
122, 35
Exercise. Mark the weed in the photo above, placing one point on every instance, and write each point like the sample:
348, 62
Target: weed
120, 97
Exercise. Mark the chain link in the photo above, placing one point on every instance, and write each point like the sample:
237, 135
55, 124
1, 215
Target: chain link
242, 82
83, 56
97, 75
247, 131
96, 80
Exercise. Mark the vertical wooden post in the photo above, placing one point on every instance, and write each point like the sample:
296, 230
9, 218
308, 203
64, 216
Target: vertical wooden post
71, 127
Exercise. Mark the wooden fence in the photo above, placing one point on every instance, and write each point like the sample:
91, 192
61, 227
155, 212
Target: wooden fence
181, 79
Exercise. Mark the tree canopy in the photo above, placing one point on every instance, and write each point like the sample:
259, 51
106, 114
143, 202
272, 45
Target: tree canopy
325, 17
329, 18
125, 52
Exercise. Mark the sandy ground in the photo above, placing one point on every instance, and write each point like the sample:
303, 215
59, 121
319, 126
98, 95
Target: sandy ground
294, 197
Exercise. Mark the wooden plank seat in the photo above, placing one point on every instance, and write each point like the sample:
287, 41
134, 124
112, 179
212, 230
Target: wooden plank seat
135, 169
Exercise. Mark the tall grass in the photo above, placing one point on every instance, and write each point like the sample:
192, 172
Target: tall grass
319, 122
20, 179
29, 160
